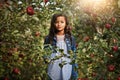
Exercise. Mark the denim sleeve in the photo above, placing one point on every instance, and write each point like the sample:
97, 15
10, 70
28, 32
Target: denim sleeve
45, 47
46, 41
74, 71
75, 65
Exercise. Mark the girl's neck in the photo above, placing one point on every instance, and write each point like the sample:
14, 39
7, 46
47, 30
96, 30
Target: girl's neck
60, 33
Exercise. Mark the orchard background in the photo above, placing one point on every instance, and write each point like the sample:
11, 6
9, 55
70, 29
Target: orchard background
25, 23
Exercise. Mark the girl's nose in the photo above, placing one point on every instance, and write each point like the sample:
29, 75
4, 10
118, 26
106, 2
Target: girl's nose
59, 23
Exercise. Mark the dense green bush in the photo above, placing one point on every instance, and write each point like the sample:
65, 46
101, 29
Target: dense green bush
24, 24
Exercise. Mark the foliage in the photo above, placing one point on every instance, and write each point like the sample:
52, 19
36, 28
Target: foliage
25, 23
98, 43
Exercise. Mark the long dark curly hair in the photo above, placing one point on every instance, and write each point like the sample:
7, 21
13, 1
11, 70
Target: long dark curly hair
53, 31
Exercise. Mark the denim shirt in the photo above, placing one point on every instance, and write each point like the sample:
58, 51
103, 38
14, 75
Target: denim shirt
71, 45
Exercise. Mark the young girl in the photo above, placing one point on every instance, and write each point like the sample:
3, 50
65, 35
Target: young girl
59, 36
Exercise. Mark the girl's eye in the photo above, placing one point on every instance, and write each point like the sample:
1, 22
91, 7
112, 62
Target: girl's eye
59, 22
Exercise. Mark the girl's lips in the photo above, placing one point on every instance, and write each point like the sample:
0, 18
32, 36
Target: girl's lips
59, 27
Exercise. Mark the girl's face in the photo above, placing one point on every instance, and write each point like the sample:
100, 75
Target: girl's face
60, 23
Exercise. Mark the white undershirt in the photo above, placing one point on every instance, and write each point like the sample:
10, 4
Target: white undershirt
61, 43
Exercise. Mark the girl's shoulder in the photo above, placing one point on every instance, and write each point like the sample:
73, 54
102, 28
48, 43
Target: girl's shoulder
70, 36
46, 39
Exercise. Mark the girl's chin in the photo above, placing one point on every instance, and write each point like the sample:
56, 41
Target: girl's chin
59, 30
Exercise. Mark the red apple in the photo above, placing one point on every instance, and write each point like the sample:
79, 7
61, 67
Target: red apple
45, 1
94, 15
14, 49
118, 78
79, 79
30, 60
85, 39
101, 79
82, 79
30, 10
16, 71
113, 19
76, 45
92, 55
6, 78
37, 34
1, 5
108, 26
11, 51
4, 58
21, 55
111, 67
109, 78
87, 10
115, 48
94, 74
